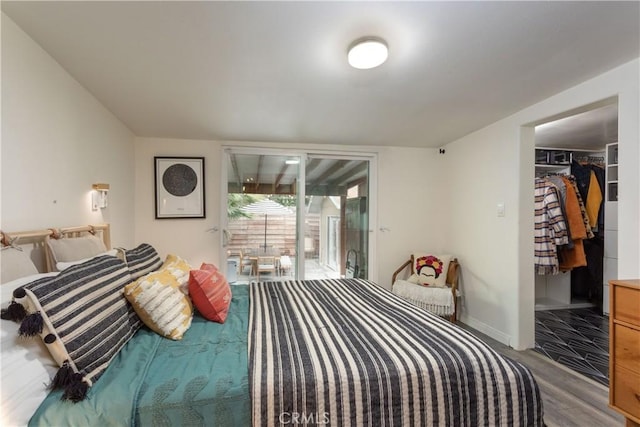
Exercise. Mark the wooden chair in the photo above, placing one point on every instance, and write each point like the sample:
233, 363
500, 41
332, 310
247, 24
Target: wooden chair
245, 261
420, 294
266, 264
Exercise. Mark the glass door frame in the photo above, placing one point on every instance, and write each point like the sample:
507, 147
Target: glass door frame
372, 207
304, 155
224, 195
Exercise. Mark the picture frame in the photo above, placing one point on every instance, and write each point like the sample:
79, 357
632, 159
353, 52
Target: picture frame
179, 187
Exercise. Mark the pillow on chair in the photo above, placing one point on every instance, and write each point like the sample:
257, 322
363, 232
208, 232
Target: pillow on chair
430, 269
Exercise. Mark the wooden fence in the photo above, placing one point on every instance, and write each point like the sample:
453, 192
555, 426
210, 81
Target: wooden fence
280, 233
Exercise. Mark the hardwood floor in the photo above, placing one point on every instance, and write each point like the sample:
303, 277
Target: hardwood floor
569, 398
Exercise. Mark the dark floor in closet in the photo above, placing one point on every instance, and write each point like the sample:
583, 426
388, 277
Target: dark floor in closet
577, 339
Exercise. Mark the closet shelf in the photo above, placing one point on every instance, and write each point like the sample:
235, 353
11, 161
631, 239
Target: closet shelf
555, 166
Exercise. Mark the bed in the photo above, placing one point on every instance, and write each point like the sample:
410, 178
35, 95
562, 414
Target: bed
331, 352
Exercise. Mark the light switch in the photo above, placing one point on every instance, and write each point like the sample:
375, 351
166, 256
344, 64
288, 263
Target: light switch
500, 209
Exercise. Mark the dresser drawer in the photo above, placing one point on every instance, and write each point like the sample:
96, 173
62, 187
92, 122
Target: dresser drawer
626, 393
627, 348
626, 305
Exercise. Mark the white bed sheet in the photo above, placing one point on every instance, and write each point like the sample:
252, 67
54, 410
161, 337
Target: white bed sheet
26, 366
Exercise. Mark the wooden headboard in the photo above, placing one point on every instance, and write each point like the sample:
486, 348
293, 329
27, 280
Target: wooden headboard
35, 241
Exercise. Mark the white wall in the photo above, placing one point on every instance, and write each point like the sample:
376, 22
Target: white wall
495, 165
410, 192
187, 238
57, 140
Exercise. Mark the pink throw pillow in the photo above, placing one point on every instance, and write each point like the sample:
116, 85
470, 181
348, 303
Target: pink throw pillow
210, 292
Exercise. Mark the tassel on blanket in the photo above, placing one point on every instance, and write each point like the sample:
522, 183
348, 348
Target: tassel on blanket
76, 390
63, 377
15, 311
31, 325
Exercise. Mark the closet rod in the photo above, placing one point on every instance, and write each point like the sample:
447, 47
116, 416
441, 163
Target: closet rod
585, 150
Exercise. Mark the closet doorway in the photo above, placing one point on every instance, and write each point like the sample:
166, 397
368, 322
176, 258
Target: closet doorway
576, 236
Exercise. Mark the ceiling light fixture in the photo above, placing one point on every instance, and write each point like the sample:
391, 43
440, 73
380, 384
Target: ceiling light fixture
367, 52
292, 161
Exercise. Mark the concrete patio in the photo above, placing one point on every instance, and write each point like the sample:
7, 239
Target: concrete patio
313, 270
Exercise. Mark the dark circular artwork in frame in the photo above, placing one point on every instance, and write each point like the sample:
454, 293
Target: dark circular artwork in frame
179, 180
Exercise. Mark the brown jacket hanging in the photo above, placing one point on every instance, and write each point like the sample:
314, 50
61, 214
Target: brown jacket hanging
574, 257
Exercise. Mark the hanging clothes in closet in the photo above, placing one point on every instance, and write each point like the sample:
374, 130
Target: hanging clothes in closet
586, 282
561, 225
590, 180
550, 227
573, 255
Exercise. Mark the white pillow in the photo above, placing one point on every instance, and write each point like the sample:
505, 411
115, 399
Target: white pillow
26, 366
64, 265
15, 263
75, 248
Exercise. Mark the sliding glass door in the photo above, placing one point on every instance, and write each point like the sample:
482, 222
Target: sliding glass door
295, 215
262, 204
337, 221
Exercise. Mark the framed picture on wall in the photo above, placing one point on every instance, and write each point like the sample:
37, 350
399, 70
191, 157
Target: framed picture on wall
179, 186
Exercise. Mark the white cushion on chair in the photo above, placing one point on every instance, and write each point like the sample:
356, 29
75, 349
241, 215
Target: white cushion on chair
436, 300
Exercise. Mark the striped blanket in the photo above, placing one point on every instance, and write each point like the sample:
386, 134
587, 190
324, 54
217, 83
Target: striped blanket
348, 352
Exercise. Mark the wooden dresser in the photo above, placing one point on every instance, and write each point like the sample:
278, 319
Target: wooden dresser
624, 349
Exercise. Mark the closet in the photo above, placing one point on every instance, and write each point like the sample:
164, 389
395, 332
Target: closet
576, 214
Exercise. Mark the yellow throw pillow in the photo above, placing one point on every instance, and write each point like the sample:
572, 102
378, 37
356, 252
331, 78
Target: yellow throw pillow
157, 299
180, 269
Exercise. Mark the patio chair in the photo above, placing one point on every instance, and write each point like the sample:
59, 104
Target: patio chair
245, 261
266, 264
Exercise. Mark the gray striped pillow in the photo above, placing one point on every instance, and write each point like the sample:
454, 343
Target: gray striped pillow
83, 318
142, 260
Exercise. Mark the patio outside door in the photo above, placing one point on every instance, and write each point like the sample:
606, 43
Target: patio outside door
337, 209
262, 211
307, 214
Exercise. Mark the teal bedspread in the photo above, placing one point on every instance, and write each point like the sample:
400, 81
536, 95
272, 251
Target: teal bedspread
200, 380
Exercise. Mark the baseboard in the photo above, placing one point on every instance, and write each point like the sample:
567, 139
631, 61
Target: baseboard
486, 329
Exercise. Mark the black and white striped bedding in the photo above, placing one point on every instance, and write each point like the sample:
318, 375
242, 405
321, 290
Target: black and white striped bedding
142, 260
348, 352
86, 321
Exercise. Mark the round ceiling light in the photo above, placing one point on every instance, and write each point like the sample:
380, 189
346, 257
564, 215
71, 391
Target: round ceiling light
368, 52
